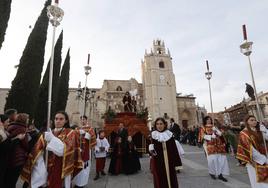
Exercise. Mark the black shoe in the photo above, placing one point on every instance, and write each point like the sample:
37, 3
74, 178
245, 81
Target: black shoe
222, 178
212, 176
103, 173
97, 177
178, 171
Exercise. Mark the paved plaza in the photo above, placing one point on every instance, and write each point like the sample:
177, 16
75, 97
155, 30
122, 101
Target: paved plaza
194, 174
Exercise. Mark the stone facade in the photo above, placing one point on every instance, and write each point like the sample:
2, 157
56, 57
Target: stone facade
263, 102
187, 111
159, 82
157, 92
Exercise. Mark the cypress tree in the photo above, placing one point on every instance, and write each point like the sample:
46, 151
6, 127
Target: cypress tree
41, 107
24, 90
63, 84
5, 8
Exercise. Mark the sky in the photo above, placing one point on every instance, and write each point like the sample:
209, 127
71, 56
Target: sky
116, 34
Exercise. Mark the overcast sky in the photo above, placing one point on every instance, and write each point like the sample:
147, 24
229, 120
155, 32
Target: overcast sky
117, 32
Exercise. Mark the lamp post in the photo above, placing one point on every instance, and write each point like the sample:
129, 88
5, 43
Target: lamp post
87, 69
91, 99
55, 15
208, 75
246, 49
78, 96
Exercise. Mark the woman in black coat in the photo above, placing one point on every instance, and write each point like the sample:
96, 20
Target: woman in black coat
6, 146
131, 161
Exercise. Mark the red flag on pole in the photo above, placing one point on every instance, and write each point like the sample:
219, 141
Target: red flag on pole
245, 32
88, 58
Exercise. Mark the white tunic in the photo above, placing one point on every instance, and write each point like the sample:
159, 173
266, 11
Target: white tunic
217, 163
81, 179
260, 159
39, 173
101, 143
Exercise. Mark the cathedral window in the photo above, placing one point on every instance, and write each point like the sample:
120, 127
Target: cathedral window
159, 51
119, 88
161, 64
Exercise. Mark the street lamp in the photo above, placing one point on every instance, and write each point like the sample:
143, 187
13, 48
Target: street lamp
208, 75
246, 49
79, 92
55, 15
87, 70
91, 100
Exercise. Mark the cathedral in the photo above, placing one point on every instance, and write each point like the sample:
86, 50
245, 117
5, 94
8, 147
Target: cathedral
156, 94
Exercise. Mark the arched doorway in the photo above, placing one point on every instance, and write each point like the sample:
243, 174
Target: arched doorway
185, 119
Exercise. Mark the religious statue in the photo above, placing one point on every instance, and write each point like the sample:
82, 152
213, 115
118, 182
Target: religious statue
250, 91
127, 102
134, 104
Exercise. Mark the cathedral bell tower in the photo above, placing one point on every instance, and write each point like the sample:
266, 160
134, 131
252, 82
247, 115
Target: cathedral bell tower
159, 82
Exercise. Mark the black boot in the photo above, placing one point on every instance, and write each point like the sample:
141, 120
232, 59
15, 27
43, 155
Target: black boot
103, 173
97, 176
212, 176
222, 178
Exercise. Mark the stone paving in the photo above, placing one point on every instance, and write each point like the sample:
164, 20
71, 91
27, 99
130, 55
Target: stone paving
194, 174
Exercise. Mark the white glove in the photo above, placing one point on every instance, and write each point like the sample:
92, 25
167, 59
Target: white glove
87, 136
48, 135
213, 136
214, 128
151, 147
82, 131
97, 149
207, 137
263, 128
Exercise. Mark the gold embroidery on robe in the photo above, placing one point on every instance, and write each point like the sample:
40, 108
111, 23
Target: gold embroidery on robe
32, 157
216, 145
244, 154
